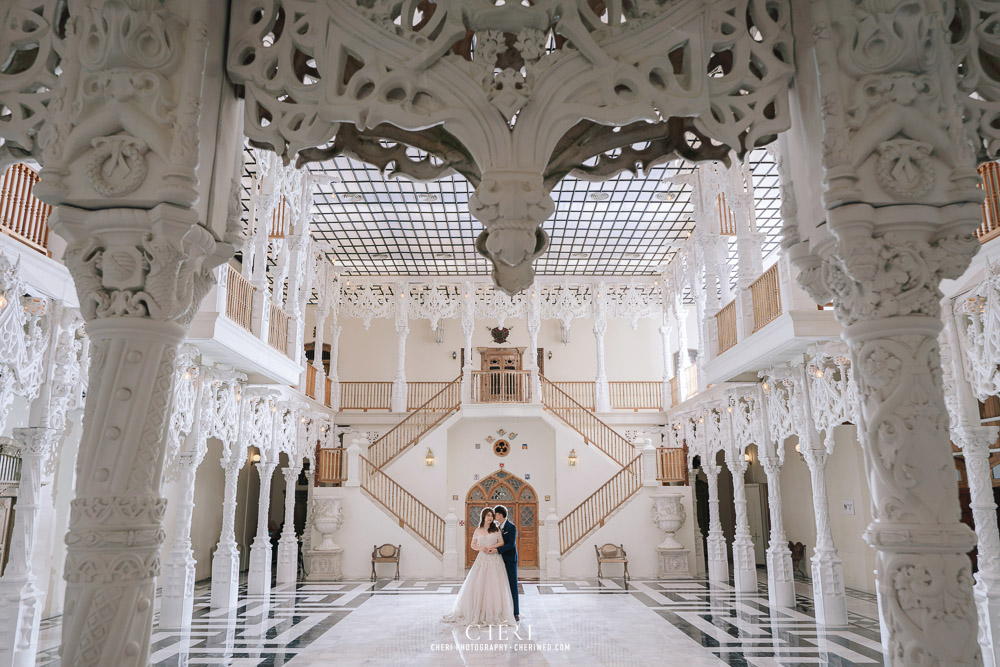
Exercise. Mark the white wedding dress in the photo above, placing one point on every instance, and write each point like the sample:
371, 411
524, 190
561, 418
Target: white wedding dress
484, 598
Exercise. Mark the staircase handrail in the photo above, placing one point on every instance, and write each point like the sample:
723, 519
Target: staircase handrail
599, 505
381, 459
618, 448
402, 504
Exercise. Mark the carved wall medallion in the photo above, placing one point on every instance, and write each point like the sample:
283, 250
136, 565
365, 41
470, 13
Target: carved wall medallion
500, 334
501, 448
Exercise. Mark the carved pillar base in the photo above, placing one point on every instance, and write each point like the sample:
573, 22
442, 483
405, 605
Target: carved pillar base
259, 576
828, 589
225, 577
987, 593
325, 565
20, 613
780, 579
288, 560
718, 564
744, 566
672, 563
177, 597
398, 396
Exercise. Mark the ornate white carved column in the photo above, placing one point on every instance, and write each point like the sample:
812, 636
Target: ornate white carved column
468, 323
700, 567
744, 563
780, 579
322, 312
402, 298
226, 561
177, 598
334, 361
602, 392
718, 561
307, 531
534, 323
21, 598
666, 399
288, 543
900, 209
259, 575
683, 358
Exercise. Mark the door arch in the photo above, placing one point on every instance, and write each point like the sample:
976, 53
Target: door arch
521, 501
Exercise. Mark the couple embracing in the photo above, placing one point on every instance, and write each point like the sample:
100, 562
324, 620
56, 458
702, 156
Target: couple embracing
489, 594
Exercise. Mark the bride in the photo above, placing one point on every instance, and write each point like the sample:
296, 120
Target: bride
485, 598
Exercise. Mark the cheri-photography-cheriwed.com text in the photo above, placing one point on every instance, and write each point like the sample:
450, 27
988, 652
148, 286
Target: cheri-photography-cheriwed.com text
497, 638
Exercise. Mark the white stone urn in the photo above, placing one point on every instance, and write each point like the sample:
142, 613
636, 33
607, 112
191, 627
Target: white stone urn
327, 518
668, 515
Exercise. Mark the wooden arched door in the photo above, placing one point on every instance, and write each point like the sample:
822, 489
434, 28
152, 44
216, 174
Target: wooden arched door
521, 501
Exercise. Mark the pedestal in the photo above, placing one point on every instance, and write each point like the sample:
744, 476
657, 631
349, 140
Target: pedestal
325, 565
225, 577
672, 563
259, 576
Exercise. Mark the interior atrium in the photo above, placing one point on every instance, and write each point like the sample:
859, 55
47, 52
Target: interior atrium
499, 332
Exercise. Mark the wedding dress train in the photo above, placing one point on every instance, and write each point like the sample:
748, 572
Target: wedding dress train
484, 598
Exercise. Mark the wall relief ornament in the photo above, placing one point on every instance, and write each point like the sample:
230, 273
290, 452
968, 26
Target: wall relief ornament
513, 97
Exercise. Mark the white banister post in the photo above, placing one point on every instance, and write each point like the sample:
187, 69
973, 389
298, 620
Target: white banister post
353, 463
259, 576
534, 323
468, 324
288, 543
744, 565
322, 312
402, 330
602, 393
449, 564
553, 558
649, 476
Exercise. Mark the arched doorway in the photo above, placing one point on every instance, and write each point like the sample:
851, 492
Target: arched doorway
503, 488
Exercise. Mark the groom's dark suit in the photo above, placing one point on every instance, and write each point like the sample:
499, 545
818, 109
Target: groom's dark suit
509, 553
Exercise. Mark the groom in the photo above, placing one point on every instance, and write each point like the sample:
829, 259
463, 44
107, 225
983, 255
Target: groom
509, 552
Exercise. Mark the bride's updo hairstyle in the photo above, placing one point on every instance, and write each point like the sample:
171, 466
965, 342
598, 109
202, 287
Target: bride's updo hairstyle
492, 527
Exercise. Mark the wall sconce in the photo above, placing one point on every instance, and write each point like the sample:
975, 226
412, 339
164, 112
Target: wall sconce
255, 458
572, 457
454, 355
798, 450
747, 457
3, 301
549, 355
429, 458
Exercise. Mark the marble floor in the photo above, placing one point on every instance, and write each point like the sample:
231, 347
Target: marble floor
585, 622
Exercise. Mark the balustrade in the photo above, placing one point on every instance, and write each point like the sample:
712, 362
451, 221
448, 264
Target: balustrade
328, 393
277, 330
10, 468
766, 297
671, 464
725, 321
22, 216
404, 505
409, 431
366, 396
580, 391
501, 386
311, 381
692, 380
419, 393
593, 511
632, 395
586, 424
331, 466
990, 227
239, 298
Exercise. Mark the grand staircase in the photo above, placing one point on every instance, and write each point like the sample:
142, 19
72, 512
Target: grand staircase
416, 424
600, 505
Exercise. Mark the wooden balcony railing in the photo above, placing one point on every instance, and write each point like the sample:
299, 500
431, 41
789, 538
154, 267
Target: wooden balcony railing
418, 393
593, 511
725, 320
671, 464
990, 227
727, 219
22, 216
586, 424
331, 466
410, 512
279, 220
239, 298
634, 395
328, 393
407, 432
277, 330
10, 468
501, 386
366, 396
766, 297
580, 391
692, 379
310, 381
675, 391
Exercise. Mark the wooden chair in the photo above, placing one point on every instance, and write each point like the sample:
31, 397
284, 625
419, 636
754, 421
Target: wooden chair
387, 553
609, 553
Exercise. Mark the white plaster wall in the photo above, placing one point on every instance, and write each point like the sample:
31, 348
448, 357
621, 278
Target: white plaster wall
633, 528
845, 481
366, 523
206, 522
